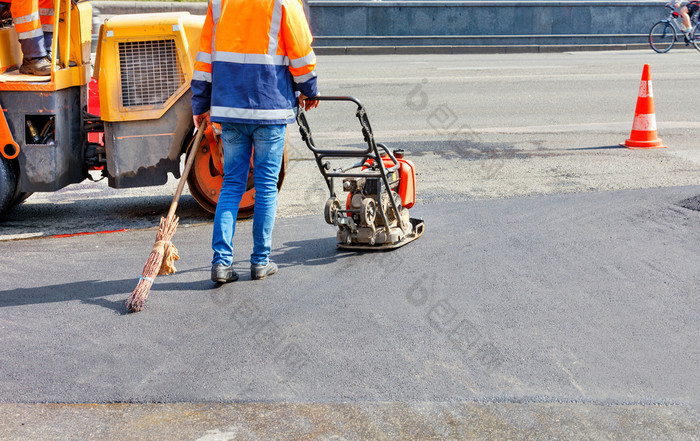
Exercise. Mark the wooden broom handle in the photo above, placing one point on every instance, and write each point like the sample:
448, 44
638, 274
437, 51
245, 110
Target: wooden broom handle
188, 166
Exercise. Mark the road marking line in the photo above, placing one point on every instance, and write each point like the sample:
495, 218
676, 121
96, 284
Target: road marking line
479, 68
416, 77
86, 233
40, 234
20, 236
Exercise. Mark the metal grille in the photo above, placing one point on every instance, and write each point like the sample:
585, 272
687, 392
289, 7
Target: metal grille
150, 72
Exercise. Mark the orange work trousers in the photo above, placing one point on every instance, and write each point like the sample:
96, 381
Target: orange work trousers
33, 20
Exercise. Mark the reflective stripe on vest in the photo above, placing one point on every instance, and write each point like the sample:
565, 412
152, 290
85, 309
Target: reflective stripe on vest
235, 57
259, 114
30, 34
26, 18
303, 61
275, 24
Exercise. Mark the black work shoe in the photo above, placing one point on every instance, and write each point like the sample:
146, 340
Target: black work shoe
221, 273
35, 66
258, 272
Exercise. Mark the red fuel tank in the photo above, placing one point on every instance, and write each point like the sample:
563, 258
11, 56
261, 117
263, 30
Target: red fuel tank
407, 178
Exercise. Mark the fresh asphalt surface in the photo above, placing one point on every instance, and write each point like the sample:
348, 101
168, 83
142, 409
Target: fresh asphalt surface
552, 296
477, 126
567, 298
588, 298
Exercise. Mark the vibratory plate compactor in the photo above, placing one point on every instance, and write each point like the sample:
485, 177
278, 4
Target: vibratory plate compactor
381, 188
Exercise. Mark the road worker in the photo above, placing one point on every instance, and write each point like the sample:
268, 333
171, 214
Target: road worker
254, 64
34, 20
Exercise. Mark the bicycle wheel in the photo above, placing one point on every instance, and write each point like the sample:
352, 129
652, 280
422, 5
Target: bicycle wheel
696, 36
662, 37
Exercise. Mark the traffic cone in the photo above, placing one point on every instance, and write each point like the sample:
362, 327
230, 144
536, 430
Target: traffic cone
643, 134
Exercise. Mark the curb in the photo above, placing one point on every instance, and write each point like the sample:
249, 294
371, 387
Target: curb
491, 49
126, 7
107, 7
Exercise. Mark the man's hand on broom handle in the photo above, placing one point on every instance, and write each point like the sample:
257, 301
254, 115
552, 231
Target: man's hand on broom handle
199, 118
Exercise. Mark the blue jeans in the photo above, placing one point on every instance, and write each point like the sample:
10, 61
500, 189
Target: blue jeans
238, 140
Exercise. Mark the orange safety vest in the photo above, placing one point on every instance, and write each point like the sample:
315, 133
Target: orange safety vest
254, 55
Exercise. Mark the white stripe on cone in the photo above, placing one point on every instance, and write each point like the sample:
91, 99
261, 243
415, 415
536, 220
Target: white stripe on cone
645, 90
644, 122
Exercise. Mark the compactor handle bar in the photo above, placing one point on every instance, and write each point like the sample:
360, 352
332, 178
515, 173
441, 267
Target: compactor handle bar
372, 147
371, 152
305, 130
336, 98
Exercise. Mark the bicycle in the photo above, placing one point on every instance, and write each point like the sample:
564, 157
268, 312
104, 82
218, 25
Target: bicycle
663, 35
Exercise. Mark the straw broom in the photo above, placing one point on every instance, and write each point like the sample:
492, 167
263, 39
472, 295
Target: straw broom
164, 254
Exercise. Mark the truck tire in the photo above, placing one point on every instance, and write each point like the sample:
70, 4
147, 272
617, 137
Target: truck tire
9, 179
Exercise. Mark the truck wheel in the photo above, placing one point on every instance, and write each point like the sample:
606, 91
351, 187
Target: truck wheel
8, 183
205, 179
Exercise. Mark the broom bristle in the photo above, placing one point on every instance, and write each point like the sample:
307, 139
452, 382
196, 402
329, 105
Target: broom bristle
137, 299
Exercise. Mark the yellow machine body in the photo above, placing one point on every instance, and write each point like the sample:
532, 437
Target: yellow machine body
10, 53
145, 63
144, 67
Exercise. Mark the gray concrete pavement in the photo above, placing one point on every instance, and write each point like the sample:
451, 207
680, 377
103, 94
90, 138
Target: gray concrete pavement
477, 126
348, 421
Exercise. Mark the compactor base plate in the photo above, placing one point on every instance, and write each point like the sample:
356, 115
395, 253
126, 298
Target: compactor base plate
418, 227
